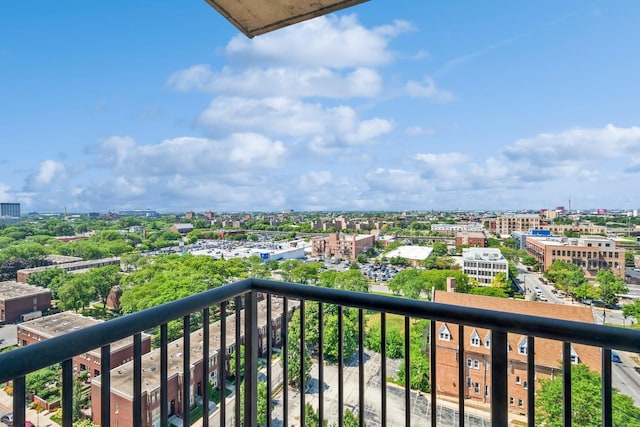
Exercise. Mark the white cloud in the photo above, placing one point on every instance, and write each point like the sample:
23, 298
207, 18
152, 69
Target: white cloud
191, 156
280, 81
576, 145
49, 173
327, 41
294, 118
428, 89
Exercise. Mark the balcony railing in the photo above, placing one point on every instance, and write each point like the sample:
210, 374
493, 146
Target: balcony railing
244, 297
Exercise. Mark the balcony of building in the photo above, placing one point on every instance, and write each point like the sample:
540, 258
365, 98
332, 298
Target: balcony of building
165, 385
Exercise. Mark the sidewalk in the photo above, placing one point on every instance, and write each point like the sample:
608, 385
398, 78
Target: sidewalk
40, 419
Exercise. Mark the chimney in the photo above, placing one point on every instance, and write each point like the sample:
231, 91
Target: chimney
451, 284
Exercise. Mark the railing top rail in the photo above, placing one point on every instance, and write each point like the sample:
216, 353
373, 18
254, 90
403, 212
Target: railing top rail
21, 361
27, 359
556, 329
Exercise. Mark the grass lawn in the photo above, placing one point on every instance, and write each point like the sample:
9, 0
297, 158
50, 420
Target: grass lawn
394, 321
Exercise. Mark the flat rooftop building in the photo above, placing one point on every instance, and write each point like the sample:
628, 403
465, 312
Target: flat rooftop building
18, 298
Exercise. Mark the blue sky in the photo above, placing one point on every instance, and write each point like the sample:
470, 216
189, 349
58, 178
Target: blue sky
385, 106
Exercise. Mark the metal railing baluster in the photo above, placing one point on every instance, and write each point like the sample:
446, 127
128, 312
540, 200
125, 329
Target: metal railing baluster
105, 384
186, 370
499, 409
566, 384
531, 381
301, 373
607, 393
407, 371
433, 372
205, 367
361, 403
222, 363
67, 394
461, 376
19, 396
285, 361
383, 367
237, 304
340, 366
269, 359
251, 360
164, 368
321, 361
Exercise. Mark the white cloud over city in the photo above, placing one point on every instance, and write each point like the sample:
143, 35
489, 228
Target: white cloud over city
328, 115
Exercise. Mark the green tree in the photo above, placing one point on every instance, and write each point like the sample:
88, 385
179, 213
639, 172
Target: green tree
500, 281
294, 353
103, 279
440, 249
610, 287
76, 292
586, 398
632, 310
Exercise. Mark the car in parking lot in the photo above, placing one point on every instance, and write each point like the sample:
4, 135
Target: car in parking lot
7, 419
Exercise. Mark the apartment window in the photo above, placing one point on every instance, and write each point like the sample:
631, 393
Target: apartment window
476, 388
469, 363
518, 381
486, 390
520, 403
476, 364
522, 348
525, 385
487, 341
475, 339
468, 382
512, 400
445, 334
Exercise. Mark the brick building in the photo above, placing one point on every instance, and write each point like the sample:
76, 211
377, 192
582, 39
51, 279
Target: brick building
471, 238
77, 266
122, 376
581, 229
506, 224
342, 246
477, 350
590, 253
65, 322
17, 299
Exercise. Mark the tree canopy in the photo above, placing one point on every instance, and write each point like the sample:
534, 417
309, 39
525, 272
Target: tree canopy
586, 398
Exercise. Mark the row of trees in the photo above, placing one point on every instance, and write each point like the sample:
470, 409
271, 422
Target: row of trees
570, 279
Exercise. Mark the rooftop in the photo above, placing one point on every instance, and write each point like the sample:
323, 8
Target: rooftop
64, 323
411, 252
12, 289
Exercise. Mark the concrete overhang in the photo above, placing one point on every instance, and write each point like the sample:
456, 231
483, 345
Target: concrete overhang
255, 17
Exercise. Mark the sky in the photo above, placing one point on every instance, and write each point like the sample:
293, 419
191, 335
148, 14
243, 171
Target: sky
164, 105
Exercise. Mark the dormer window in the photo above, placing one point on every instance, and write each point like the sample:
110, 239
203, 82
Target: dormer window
475, 339
445, 334
522, 347
574, 357
487, 341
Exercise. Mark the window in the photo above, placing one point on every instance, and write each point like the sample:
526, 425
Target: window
487, 340
512, 400
574, 357
525, 385
518, 381
520, 403
476, 388
445, 334
468, 382
522, 348
476, 364
468, 363
475, 339
486, 390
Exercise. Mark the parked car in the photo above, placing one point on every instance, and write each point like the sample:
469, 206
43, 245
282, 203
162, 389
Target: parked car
7, 419
614, 357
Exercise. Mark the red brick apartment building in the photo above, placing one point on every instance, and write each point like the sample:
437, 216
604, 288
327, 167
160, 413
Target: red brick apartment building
17, 299
471, 238
590, 253
122, 376
342, 246
65, 322
477, 350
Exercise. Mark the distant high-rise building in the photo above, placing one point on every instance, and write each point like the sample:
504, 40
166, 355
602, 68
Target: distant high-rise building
10, 210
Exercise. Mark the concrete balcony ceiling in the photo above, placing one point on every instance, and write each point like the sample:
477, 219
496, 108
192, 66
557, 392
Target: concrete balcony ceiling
255, 17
